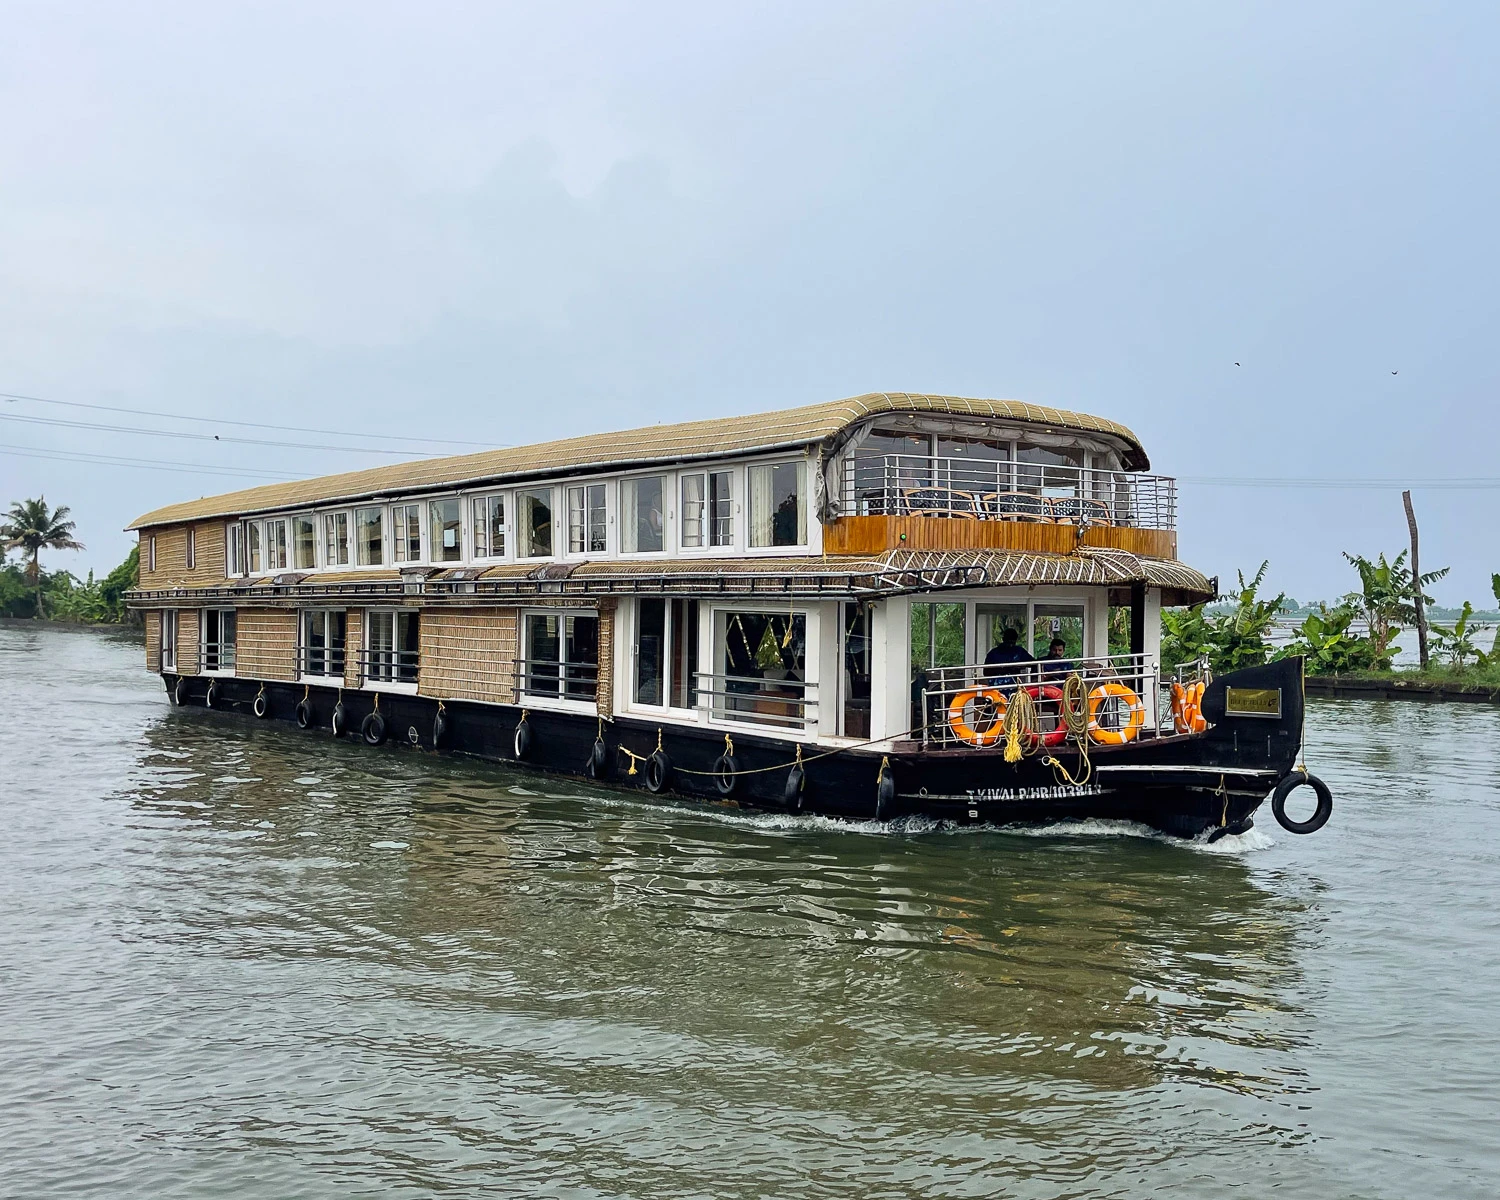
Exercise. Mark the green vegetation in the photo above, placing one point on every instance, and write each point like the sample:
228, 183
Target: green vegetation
1231, 637
26, 590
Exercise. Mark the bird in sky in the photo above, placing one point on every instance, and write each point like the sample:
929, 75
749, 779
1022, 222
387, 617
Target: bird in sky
1236, 364
1395, 372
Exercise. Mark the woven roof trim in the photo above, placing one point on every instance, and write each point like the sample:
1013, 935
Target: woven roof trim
749, 434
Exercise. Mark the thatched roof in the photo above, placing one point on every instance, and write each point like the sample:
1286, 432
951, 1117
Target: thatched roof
757, 432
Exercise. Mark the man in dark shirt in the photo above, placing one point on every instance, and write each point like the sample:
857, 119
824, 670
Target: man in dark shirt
1055, 665
1008, 651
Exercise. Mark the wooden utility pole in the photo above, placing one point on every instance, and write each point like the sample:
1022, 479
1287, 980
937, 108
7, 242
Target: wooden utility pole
1416, 582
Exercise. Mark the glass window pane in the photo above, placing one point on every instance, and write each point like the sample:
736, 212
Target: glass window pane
336, 540
1055, 471
534, 510
763, 657
445, 530
577, 521
596, 518
694, 511
856, 627
252, 532
304, 542
721, 508
543, 654
684, 675
367, 537
581, 647
650, 651
642, 515
777, 516
1058, 621
406, 533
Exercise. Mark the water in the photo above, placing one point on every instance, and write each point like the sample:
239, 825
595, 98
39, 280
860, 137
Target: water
239, 960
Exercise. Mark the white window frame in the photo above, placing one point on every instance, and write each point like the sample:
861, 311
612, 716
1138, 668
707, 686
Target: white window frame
326, 679
326, 559
668, 516
560, 701
268, 539
557, 525
628, 620
203, 643
813, 704
431, 544
588, 526
234, 550
151, 552
803, 547
708, 548
367, 627
169, 640
385, 540
506, 532
400, 544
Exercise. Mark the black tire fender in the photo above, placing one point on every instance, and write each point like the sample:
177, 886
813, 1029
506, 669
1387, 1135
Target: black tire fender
260, 706
885, 793
372, 729
439, 729
726, 774
179, 693
523, 739
658, 771
340, 720
1290, 783
597, 766
304, 715
212, 694
796, 783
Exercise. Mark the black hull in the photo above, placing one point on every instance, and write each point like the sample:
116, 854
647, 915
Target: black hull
1181, 785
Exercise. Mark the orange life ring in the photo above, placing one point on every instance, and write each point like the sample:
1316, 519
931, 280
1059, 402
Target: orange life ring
1133, 722
1057, 735
1187, 708
958, 716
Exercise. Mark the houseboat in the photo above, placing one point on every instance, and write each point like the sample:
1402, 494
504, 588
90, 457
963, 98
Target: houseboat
888, 605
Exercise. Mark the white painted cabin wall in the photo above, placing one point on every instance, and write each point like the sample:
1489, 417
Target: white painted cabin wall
890, 661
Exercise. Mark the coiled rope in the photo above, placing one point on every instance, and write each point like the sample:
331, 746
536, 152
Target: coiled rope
1020, 725
1075, 719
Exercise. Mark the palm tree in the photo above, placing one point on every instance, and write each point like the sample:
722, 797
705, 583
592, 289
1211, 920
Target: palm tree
31, 527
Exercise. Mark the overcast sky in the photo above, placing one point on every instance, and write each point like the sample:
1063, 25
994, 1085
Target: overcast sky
506, 224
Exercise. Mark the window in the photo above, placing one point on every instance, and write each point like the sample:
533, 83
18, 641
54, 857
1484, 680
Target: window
192, 548
304, 543
323, 636
336, 539
394, 638
562, 655
445, 529
234, 549
151, 553
1047, 470
406, 533
169, 639
276, 545
252, 533
218, 639
939, 639
855, 619
367, 537
642, 514
707, 510
778, 516
666, 649
534, 517
761, 661
489, 527
586, 519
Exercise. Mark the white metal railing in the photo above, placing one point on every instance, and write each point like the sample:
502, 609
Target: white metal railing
1008, 490
782, 703
389, 666
947, 698
323, 662
553, 680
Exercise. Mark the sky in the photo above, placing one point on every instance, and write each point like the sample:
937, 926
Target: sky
1262, 236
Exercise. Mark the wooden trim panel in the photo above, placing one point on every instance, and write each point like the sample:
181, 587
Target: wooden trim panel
876, 535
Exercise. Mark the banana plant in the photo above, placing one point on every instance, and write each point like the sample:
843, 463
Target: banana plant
1454, 641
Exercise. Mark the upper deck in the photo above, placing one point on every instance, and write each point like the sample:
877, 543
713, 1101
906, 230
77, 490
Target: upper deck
860, 477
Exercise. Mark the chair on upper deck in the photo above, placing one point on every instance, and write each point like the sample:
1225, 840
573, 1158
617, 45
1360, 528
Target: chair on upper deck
1015, 506
1079, 510
932, 501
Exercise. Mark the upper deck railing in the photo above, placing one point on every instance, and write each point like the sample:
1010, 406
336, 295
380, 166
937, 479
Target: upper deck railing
977, 489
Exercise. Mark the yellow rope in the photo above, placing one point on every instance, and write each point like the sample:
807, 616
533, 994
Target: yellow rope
1075, 719
262, 691
377, 701
1020, 726
307, 691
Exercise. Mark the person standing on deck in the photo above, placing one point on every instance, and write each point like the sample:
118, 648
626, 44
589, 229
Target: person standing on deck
1008, 651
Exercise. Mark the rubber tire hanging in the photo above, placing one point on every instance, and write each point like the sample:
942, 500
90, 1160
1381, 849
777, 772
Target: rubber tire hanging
1286, 787
260, 706
796, 781
372, 729
304, 715
658, 771
726, 774
523, 740
597, 766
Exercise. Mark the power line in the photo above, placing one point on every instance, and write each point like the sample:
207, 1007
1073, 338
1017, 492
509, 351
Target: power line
202, 437
1473, 483
151, 464
146, 412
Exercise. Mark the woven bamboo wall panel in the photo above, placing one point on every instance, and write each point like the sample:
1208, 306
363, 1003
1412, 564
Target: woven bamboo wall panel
468, 654
266, 643
171, 556
153, 641
604, 695
187, 641
354, 643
